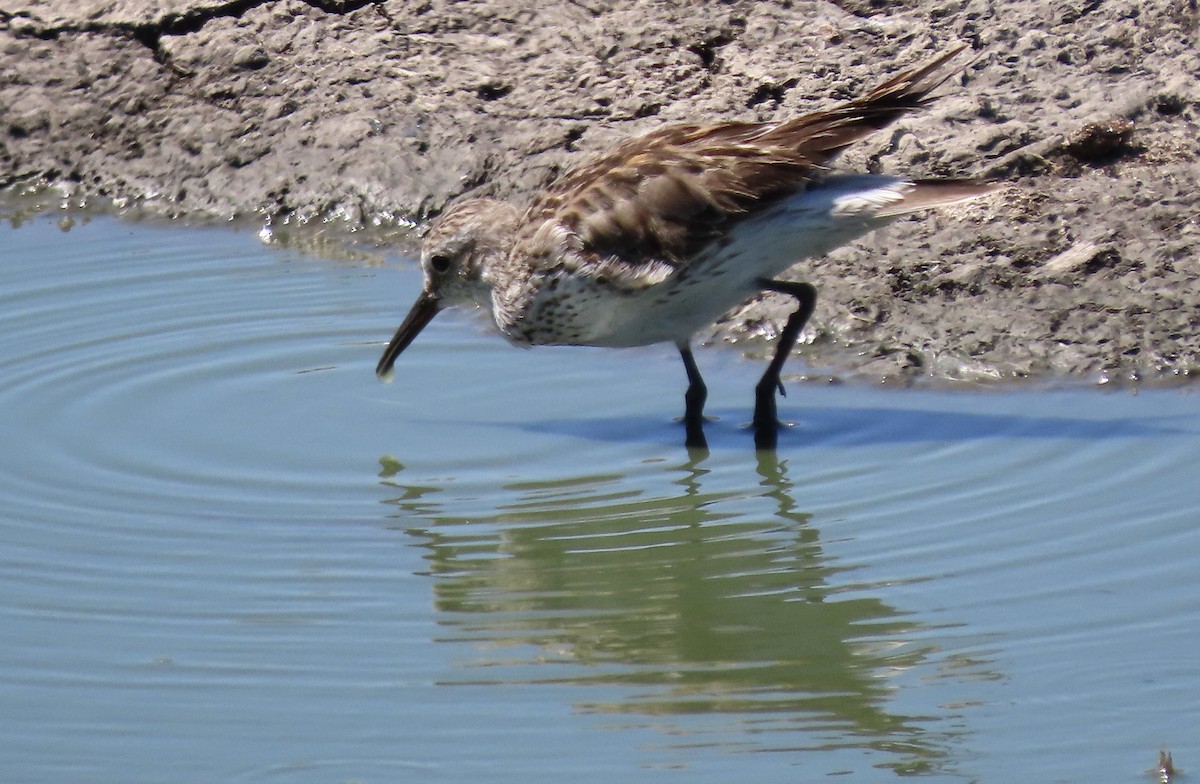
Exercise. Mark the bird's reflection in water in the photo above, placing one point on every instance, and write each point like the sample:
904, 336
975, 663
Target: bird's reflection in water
688, 600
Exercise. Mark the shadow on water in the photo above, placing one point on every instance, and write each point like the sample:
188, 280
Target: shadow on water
867, 426
684, 602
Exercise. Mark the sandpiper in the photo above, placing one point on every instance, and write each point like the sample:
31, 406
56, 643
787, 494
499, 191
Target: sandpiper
658, 237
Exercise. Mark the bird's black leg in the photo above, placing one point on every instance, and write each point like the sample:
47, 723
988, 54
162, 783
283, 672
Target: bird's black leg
697, 393
766, 423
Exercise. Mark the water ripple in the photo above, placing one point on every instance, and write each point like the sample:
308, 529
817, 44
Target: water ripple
220, 527
131, 379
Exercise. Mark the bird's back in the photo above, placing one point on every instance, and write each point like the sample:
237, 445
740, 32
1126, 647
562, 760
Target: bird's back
588, 307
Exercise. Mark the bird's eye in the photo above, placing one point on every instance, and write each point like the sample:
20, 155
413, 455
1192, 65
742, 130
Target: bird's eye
439, 263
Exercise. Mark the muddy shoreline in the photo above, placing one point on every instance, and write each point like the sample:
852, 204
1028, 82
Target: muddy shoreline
360, 119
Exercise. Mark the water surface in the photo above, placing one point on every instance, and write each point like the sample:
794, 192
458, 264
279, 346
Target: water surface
229, 554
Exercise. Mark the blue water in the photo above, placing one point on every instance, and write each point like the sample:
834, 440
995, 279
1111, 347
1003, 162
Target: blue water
230, 554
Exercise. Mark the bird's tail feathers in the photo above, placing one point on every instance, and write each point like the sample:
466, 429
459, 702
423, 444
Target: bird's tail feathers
822, 135
910, 89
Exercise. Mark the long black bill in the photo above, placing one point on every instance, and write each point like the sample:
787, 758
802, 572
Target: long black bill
423, 311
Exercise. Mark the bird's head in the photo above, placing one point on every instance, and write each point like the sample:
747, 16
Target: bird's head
462, 244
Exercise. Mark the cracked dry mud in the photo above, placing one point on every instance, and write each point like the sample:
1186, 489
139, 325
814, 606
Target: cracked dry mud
361, 114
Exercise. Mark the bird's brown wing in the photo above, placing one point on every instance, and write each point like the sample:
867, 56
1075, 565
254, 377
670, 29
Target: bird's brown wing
658, 198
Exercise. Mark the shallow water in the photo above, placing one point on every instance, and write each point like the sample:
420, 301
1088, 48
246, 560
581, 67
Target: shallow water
229, 554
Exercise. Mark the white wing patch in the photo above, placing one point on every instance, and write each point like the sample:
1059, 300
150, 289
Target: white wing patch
869, 203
